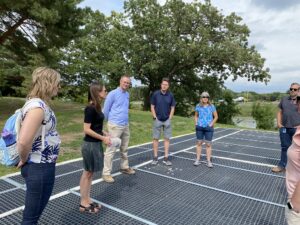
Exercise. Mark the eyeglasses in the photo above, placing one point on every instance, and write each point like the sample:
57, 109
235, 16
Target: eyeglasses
204, 97
294, 89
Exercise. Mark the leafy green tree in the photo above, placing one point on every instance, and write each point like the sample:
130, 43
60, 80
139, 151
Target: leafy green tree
98, 55
185, 41
30, 33
263, 115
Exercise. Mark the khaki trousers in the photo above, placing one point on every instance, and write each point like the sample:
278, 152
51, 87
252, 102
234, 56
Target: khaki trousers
123, 133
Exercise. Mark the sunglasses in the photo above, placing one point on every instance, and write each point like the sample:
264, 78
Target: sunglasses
294, 89
204, 97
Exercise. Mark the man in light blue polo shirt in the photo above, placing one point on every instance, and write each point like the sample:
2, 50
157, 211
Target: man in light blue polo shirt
116, 109
162, 109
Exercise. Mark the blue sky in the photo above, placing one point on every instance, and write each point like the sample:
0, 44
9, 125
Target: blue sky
275, 29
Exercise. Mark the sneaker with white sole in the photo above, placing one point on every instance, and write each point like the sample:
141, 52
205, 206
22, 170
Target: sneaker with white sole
154, 162
209, 164
167, 162
197, 163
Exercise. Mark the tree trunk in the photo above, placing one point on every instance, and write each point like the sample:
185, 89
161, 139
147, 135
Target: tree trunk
146, 100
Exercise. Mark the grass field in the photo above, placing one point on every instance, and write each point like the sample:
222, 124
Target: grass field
70, 126
246, 108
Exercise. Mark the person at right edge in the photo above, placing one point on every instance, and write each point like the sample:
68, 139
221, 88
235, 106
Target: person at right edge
292, 210
288, 118
162, 109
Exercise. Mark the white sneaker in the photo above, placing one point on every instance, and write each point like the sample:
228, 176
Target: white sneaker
197, 162
154, 162
209, 164
167, 162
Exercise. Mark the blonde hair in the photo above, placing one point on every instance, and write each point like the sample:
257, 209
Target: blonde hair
201, 103
44, 82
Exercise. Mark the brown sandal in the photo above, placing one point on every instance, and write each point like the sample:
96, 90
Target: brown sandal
95, 205
88, 209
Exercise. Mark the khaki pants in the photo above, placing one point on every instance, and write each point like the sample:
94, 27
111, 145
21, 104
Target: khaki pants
292, 217
123, 133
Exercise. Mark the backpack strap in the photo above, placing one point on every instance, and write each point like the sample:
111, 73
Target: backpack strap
43, 122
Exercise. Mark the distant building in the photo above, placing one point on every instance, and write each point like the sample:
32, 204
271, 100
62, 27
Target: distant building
239, 99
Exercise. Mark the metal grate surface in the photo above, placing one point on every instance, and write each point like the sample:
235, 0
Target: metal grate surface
4, 186
230, 163
237, 155
65, 211
11, 200
228, 179
167, 201
248, 143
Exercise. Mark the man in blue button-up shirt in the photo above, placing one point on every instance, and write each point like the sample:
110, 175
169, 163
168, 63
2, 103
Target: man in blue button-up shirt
116, 109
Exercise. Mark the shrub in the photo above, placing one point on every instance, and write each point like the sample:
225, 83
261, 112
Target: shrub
227, 109
263, 115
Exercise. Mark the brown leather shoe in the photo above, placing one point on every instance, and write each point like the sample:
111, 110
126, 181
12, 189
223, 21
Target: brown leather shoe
128, 171
278, 169
108, 178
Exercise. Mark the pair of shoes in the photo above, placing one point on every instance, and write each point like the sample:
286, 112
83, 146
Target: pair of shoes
108, 178
278, 169
167, 162
154, 161
128, 171
197, 162
209, 164
89, 209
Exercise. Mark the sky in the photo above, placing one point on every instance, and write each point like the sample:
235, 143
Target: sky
275, 31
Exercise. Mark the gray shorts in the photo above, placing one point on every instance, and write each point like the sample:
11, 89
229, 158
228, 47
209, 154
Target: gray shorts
162, 125
92, 154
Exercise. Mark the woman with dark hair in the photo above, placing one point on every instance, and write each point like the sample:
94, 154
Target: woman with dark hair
92, 150
205, 118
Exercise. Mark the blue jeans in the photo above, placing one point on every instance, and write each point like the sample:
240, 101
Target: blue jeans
286, 137
39, 179
204, 133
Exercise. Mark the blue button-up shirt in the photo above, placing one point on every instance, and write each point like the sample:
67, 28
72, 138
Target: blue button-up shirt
116, 107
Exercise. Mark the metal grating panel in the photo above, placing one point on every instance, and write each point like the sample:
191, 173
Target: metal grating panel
230, 163
167, 201
11, 200
4, 186
228, 179
65, 211
235, 155
253, 142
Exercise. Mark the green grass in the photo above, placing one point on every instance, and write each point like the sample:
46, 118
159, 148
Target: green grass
70, 126
246, 108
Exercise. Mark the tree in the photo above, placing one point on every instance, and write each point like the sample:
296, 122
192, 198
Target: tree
186, 41
227, 109
99, 54
30, 33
